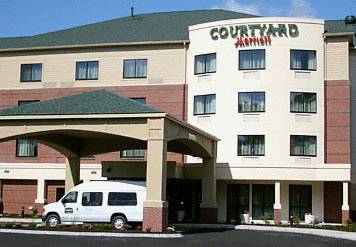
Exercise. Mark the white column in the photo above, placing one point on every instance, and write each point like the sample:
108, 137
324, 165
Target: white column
345, 196
277, 196
41, 190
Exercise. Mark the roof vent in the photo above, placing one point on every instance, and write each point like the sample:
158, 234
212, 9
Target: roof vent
132, 11
350, 19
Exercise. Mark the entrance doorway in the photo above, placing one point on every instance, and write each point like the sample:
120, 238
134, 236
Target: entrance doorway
300, 200
237, 201
59, 193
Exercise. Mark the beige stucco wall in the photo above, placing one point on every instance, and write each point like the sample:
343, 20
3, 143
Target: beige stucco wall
337, 59
165, 65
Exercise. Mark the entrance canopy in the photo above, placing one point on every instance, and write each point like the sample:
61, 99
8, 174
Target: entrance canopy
100, 122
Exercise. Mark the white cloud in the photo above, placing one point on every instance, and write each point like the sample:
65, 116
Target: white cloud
233, 5
301, 8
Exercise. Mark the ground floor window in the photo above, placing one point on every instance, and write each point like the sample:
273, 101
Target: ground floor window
237, 201
262, 201
300, 200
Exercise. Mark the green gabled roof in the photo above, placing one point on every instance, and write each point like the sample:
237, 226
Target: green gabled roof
167, 26
97, 102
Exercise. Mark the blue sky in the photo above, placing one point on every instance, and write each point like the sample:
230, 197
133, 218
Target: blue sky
28, 17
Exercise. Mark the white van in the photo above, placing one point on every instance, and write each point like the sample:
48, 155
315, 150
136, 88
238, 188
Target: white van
117, 202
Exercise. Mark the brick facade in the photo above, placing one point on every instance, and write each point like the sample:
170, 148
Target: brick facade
17, 194
277, 216
155, 219
337, 122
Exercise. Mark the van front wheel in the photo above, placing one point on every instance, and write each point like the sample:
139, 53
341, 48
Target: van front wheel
53, 220
118, 222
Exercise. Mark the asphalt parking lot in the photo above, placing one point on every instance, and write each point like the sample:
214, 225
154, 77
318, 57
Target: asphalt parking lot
234, 238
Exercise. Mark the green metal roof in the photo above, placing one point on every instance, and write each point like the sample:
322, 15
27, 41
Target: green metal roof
167, 26
97, 102
339, 26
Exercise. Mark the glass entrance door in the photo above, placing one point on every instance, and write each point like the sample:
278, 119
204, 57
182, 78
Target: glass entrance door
300, 200
262, 201
237, 201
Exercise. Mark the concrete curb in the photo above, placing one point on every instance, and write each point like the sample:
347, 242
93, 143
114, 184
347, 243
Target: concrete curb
20, 220
94, 234
319, 232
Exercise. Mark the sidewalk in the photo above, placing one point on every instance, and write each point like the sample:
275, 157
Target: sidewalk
318, 232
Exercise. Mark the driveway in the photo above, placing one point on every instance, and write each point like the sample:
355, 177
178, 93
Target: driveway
234, 238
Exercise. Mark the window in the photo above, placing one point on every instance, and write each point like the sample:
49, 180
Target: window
134, 153
252, 59
262, 201
122, 199
303, 102
303, 59
71, 197
251, 145
92, 198
238, 199
135, 68
204, 104
25, 147
302, 145
205, 63
31, 72
87, 70
252, 102
300, 200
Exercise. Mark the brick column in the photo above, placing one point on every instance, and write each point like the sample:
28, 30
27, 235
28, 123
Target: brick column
72, 173
155, 212
345, 203
277, 206
208, 206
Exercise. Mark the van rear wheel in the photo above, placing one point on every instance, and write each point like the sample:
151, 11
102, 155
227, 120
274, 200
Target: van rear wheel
118, 222
53, 220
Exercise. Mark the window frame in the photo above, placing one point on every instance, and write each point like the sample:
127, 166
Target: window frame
86, 74
316, 103
264, 109
264, 68
31, 64
124, 157
76, 196
205, 113
249, 155
101, 202
205, 58
29, 156
303, 155
134, 77
301, 69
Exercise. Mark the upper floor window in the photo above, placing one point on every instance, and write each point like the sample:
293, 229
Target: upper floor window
87, 70
302, 145
204, 104
303, 102
251, 145
140, 100
31, 72
205, 63
252, 59
303, 59
135, 68
252, 102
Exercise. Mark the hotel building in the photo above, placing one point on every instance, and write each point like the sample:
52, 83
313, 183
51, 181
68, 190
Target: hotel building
267, 102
